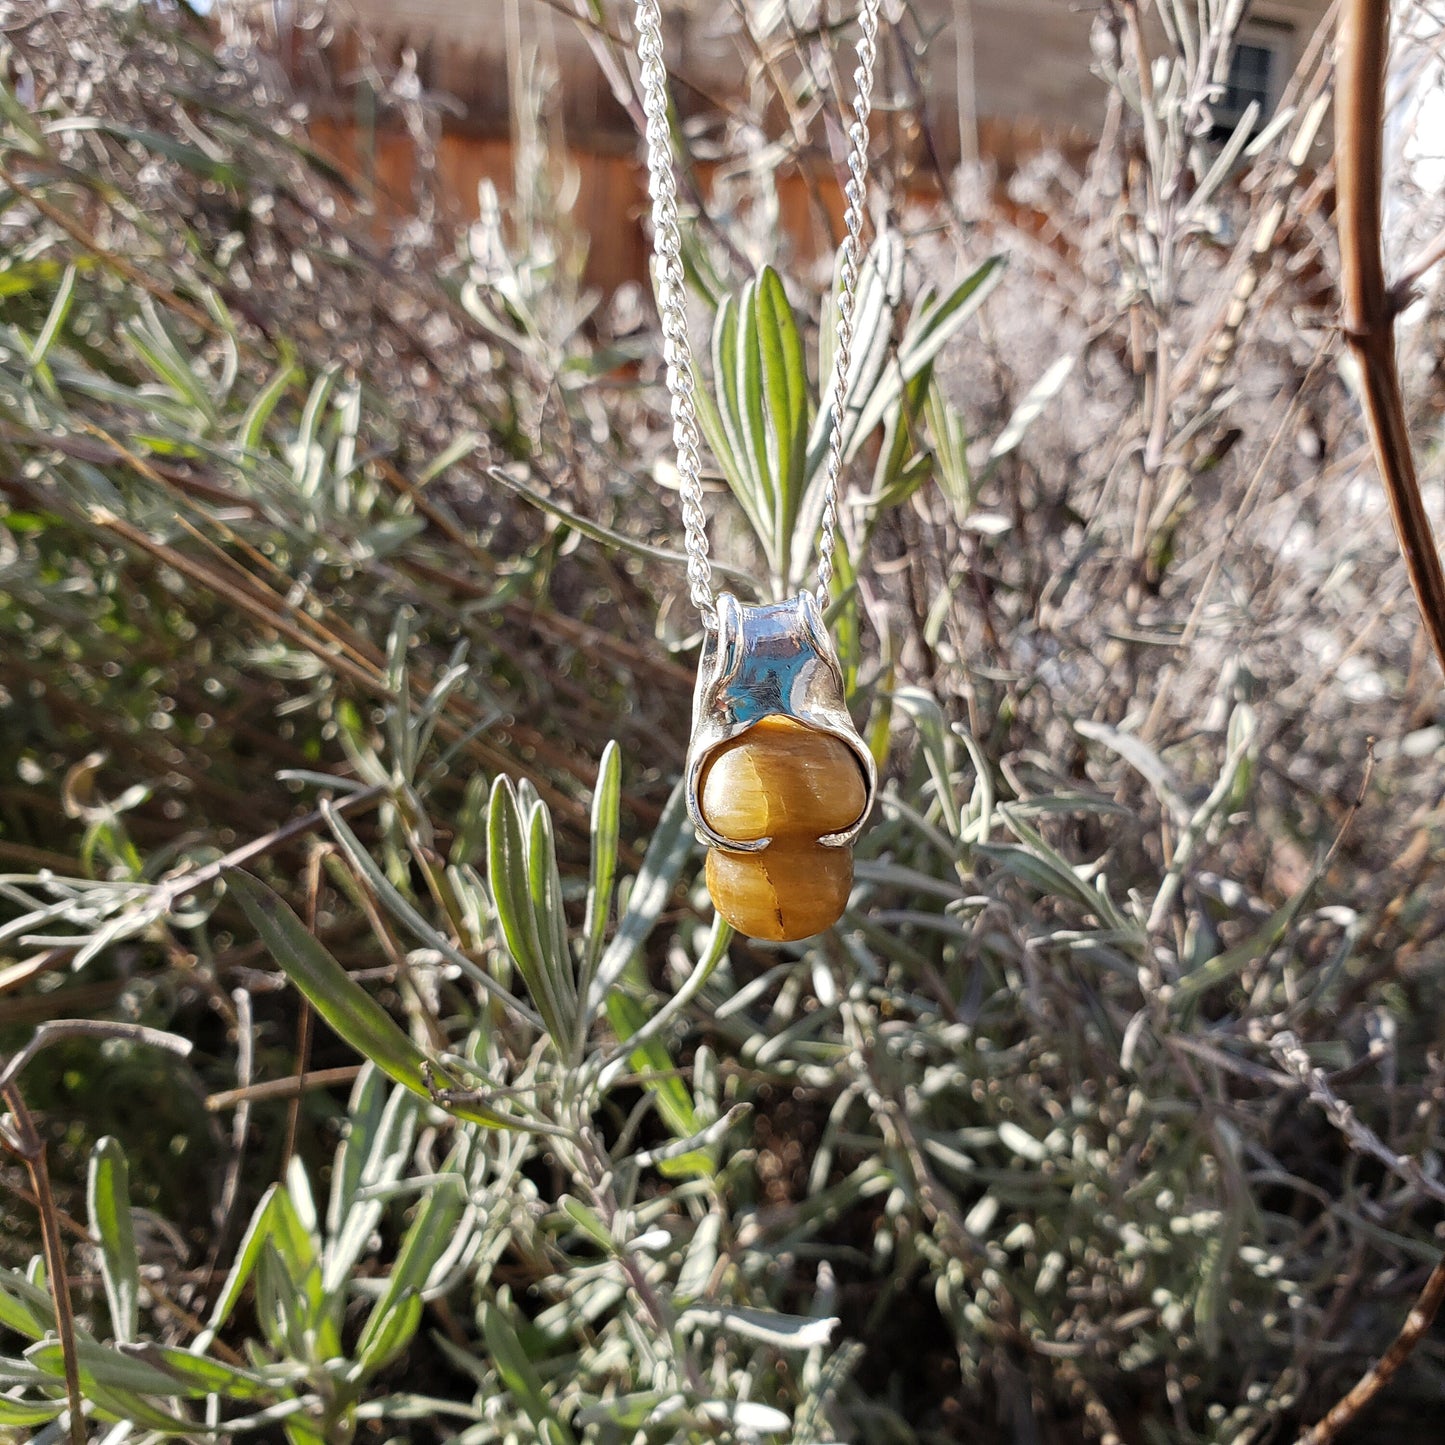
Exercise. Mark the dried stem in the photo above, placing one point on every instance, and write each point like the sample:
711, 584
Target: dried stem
23, 1140
1370, 306
1289, 1052
1292, 1055
1417, 1324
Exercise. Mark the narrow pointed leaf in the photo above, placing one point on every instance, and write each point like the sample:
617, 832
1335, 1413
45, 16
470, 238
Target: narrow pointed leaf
508, 874
351, 1012
427, 1239
520, 1375
391, 1329
108, 1196
19, 1414
661, 1079
197, 1376
606, 807
669, 849
785, 392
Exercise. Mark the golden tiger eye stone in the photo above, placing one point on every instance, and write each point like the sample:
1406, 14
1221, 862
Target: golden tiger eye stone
782, 780
791, 784
786, 892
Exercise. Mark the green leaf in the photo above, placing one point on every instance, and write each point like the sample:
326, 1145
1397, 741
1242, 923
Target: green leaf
784, 388
375, 1153
292, 1224
470, 839
786, 1332
365, 1111
23, 124
544, 886
22, 1413
279, 1309
464, 446
200, 1375
724, 424
1096, 900
879, 295
641, 1044
748, 391
427, 1240
902, 466
661, 1079
519, 894
606, 807
351, 1012
949, 440
248, 1254
308, 455
618, 540
391, 1328
391, 897
519, 1375
108, 1197
59, 310
1039, 395
933, 325
190, 157
1258, 945
113, 1403
671, 845
148, 336
24, 1307
253, 424
937, 748
589, 1222
102, 1365
633, 1410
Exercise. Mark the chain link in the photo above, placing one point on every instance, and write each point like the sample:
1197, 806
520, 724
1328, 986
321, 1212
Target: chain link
856, 193
669, 282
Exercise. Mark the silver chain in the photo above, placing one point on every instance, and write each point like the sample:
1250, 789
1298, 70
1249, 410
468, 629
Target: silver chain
669, 283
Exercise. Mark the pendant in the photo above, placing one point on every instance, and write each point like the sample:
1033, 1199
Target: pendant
779, 783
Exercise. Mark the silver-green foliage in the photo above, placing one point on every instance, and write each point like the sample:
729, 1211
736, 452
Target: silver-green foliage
769, 429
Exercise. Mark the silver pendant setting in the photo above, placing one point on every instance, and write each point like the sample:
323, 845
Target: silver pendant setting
771, 661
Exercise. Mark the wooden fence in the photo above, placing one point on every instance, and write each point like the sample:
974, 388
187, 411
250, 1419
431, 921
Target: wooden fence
610, 206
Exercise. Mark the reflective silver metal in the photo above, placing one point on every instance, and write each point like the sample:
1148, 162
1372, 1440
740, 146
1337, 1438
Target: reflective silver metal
773, 661
669, 284
856, 191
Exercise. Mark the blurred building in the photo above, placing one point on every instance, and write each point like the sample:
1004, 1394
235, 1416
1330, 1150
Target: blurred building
990, 80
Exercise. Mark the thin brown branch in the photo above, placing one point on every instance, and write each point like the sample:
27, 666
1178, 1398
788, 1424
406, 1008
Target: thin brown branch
290, 1087
1292, 1055
122, 267
23, 1140
1370, 305
1417, 1324
1423, 261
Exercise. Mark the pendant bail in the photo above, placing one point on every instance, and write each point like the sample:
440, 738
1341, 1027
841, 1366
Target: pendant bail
773, 661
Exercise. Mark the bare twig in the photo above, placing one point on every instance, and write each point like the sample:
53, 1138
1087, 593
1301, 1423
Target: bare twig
24, 1141
58, 1029
1416, 1325
1370, 306
1424, 260
1290, 1052
290, 1087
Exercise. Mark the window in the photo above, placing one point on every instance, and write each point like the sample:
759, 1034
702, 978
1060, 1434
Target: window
1258, 69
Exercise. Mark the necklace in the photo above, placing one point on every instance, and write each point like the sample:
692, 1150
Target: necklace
778, 782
